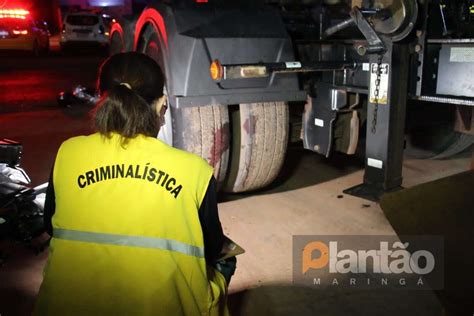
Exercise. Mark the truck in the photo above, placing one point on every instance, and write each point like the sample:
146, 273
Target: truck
390, 77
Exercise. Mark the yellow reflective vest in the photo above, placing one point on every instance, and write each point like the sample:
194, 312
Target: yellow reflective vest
127, 236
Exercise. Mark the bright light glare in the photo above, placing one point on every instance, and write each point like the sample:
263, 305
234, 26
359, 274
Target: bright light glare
20, 32
14, 12
106, 3
11, 16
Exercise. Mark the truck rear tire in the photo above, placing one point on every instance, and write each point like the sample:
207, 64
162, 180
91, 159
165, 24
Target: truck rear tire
259, 142
202, 130
431, 134
460, 144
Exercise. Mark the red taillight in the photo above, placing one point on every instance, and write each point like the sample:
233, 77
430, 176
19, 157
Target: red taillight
202, 1
20, 32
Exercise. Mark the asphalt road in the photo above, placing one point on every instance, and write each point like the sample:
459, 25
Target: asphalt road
32, 84
29, 112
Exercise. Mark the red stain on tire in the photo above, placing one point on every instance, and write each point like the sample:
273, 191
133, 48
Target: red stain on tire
249, 125
220, 145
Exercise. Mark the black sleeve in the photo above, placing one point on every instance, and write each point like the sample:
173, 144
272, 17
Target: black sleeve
210, 223
49, 206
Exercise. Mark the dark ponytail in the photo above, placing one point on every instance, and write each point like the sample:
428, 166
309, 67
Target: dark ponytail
128, 84
122, 111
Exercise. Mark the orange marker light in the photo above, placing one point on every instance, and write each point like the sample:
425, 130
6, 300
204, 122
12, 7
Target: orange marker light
216, 70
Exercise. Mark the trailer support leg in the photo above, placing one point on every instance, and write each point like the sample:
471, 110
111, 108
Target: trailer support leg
385, 142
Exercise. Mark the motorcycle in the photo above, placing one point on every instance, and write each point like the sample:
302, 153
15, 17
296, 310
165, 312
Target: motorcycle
80, 95
21, 206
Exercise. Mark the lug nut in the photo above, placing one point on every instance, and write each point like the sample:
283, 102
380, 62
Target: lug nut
361, 50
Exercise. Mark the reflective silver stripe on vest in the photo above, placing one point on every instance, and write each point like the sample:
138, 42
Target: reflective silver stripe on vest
131, 241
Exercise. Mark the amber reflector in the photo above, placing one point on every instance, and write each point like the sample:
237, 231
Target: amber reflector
216, 70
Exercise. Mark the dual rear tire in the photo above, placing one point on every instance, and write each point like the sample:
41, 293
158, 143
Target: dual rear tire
246, 147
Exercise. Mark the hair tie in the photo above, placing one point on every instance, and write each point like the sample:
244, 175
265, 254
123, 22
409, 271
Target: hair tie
126, 85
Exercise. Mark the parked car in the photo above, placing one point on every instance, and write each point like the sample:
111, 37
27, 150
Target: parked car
84, 28
19, 31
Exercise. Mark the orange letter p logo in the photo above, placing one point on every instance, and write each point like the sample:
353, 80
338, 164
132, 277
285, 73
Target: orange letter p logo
308, 262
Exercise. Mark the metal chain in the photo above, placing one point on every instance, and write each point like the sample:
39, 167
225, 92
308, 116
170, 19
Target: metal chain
376, 93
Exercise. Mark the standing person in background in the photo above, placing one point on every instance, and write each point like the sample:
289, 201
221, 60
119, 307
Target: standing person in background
134, 222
